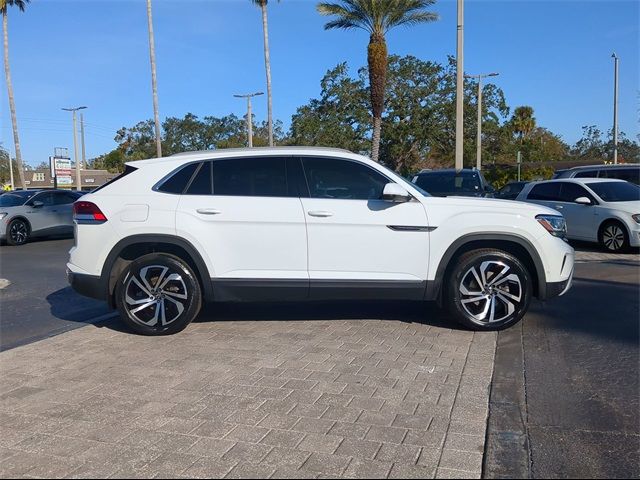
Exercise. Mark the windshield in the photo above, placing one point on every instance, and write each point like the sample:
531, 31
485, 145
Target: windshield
15, 199
616, 191
449, 182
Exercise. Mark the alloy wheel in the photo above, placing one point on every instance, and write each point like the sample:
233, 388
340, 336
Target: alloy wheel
155, 297
613, 237
18, 232
490, 292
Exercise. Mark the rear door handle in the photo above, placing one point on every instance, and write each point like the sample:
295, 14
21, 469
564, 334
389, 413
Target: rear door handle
559, 207
208, 211
320, 213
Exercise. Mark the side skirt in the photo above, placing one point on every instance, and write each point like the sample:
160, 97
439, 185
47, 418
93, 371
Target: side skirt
248, 290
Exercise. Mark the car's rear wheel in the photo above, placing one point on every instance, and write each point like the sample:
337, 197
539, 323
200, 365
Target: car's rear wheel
488, 289
613, 237
17, 232
158, 294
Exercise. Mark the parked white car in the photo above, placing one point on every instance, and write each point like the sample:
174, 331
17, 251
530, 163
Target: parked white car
606, 211
299, 223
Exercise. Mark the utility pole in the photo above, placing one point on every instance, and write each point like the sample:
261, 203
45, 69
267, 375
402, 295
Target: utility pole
460, 88
154, 80
13, 187
519, 160
249, 119
479, 139
84, 157
75, 145
615, 108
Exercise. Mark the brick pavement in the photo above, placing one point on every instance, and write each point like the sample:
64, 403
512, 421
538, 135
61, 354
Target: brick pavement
249, 399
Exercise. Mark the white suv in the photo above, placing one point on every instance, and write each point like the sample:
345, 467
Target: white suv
297, 223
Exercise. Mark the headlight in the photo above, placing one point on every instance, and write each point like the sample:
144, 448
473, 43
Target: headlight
4, 214
636, 217
554, 224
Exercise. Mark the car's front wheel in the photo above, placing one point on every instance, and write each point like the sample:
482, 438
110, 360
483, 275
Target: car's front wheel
158, 294
488, 289
17, 232
613, 237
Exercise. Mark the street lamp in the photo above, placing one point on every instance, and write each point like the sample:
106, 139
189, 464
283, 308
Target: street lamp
615, 107
75, 145
479, 140
249, 120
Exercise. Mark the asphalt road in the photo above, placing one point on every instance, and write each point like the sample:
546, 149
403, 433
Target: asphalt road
581, 367
38, 302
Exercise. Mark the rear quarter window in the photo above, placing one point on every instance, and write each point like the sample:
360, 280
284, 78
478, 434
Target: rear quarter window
179, 180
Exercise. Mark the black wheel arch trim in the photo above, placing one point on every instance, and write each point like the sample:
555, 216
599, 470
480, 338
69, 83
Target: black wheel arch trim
201, 267
434, 287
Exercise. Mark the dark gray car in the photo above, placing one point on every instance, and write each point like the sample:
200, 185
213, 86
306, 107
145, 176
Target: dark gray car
33, 213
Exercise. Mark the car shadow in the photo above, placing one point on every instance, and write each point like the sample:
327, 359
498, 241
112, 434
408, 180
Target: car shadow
65, 304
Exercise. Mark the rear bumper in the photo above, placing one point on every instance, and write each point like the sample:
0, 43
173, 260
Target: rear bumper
87, 285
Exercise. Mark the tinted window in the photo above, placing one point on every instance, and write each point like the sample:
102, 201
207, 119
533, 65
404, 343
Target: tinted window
545, 191
15, 199
47, 198
449, 182
628, 174
64, 198
335, 178
616, 191
179, 180
201, 183
570, 191
587, 174
250, 177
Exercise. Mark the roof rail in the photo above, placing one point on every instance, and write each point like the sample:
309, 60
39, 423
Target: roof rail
261, 149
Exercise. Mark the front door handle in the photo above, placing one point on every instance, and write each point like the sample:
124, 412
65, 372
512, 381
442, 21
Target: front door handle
208, 211
559, 207
320, 213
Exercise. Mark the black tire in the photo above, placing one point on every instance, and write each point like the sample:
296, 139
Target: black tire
498, 306
613, 237
18, 232
180, 297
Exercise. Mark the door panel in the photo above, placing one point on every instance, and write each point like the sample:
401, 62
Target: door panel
367, 240
247, 237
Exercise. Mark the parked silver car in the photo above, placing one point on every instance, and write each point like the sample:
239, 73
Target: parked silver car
33, 213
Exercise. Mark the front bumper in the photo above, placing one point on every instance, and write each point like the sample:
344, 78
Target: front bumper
557, 289
87, 285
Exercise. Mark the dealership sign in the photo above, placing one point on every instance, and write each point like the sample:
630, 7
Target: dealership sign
61, 170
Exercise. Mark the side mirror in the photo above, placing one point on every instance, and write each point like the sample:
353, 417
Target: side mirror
395, 193
37, 204
583, 201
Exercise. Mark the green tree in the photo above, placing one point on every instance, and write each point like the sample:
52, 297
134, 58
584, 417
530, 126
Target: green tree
4, 8
267, 65
376, 17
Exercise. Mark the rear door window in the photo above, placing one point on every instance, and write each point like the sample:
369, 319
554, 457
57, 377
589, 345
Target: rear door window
545, 192
177, 182
251, 177
201, 183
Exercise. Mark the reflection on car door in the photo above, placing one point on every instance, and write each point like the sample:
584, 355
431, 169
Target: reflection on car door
42, 219
63, 211
357, 240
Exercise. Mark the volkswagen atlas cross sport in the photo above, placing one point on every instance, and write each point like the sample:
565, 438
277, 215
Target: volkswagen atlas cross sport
297, 223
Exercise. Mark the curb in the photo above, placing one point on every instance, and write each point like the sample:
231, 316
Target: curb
507, 442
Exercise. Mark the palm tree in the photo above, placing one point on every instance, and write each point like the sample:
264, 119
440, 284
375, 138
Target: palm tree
267, 64
4, 4
523, 122
154, 80
376, 17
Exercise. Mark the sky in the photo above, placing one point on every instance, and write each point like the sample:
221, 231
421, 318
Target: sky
552, 55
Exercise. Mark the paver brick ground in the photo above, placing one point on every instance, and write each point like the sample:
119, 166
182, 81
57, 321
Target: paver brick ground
248, 399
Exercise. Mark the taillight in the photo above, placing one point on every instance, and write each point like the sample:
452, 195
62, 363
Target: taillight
87, 213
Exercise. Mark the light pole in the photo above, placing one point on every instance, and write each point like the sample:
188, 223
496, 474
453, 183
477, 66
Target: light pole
75, 145
479, 139
460, 88
249, 119
84, 157
615, 108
